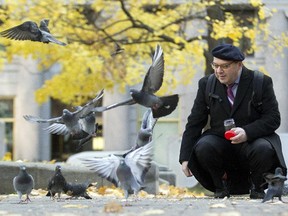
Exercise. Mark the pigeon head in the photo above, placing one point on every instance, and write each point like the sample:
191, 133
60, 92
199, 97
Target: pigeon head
22, 168
58, 168
278, 171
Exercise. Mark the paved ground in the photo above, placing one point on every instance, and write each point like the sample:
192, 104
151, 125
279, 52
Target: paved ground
145, 205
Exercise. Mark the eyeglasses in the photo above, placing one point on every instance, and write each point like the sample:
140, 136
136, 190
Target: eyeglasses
223, 66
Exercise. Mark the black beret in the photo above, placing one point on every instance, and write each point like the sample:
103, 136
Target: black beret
228, 52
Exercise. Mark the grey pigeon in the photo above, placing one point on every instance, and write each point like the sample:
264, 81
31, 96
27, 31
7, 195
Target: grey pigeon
76, 190
80, 124
161, 106
29, 30
23, 184
56, 184
275, 185
117, 50
145, 132
127, 173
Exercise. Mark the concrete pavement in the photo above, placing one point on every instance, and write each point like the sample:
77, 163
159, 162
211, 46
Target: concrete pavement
147, 205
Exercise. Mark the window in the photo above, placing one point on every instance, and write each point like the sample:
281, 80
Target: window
7, 117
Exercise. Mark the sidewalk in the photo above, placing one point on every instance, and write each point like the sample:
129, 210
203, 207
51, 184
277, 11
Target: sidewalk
149, 205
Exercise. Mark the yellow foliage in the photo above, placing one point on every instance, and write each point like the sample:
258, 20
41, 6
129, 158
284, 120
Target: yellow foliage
91, 29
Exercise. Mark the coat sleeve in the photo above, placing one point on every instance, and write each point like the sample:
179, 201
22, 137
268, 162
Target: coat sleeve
196, 121
269, 119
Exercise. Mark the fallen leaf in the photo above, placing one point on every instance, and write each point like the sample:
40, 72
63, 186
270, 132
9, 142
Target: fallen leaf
113, 207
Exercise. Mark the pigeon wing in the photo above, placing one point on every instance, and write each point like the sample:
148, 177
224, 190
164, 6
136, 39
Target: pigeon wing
57, 128
154, 77
123, 103
139, 161
105, 167
26, 31
31, 118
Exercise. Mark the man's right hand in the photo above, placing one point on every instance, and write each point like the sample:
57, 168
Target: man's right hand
185, 169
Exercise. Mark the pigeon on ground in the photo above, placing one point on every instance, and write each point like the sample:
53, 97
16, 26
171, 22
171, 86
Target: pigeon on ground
23, 184
76, 190
275, 184
117, 50
29, 30
161, 106
127, 173
56, 184
80, 124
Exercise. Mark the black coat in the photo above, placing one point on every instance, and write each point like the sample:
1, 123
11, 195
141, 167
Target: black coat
257, 124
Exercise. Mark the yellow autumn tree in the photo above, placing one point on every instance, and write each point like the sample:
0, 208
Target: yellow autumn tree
92, 28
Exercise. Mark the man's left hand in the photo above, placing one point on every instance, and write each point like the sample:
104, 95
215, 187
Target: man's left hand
240, 136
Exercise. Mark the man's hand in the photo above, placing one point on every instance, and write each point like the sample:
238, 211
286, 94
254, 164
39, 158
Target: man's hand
185, 169
240, 136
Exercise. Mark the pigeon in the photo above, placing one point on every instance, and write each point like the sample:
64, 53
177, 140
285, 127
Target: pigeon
80, 124
76, 190
29, 30
23, 184
118, 49
275, 185
144, 135
126, 172
57, 183
161, 106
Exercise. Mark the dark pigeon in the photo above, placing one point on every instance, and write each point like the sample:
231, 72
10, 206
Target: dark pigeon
161, 106
29, 30
80, 124
76, 190
275, 185
23, 184
56, 184
127, 173
117, 50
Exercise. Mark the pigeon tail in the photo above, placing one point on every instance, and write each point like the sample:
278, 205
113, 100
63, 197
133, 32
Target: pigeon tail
169, 105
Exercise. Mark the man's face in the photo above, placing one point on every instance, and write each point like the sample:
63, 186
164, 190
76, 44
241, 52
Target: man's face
226, 71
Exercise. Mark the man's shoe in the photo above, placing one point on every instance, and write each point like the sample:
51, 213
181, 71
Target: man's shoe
221, 194
257, 194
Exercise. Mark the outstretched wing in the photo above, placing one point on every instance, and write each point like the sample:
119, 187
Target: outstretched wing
154, 77
105, 167
31, 118
26, 31
123, 103
57, 128
139, 161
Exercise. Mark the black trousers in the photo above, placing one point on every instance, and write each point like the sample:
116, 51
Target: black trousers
218, 156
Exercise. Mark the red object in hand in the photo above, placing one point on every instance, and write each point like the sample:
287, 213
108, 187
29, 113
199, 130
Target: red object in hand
229, 134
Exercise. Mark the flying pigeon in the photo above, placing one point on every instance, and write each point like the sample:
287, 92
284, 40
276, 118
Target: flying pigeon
145, 132
29, 30
56, 184
117, 50
77, 190
161, 106
80, 124
127, 173
23, 184
275, 185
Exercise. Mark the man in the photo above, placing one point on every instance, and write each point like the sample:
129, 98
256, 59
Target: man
232, 166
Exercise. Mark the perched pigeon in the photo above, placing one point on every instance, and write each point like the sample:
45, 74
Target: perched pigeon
275, 184
80, 124
23, 184
77, 190
29, 30
117, 50
161, 106
127, 173
57, 183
